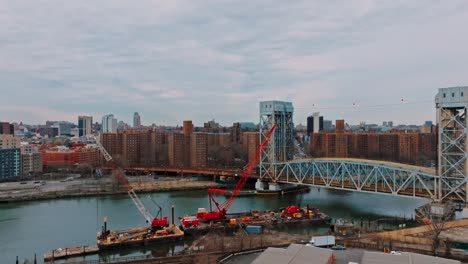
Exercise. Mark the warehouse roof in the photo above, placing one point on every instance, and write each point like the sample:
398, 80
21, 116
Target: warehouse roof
294, 254
404, 258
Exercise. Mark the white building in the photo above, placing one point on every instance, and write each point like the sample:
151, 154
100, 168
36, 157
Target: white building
109, 124
85, 125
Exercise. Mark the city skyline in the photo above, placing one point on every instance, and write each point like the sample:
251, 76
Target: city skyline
174, 61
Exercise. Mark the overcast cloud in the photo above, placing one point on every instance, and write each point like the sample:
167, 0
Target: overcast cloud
174, 60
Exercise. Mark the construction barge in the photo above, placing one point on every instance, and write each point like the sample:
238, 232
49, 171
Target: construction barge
290, 216
136, 237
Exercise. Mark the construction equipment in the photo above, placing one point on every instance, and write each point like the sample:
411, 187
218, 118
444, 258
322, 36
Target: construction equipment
119, 175
159, 221
221, 209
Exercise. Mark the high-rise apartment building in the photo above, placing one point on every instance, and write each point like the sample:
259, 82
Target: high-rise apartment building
250, 142
10, 160
136, 120
85, 125
109, 124
178, 150
198, 150
236, 133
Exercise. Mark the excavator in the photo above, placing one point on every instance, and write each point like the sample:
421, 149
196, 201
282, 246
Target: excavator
221, 209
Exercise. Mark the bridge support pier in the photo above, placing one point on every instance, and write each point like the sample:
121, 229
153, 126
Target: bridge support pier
273, 186
259, 185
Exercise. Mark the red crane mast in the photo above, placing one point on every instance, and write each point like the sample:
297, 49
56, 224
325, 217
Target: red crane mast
222, 209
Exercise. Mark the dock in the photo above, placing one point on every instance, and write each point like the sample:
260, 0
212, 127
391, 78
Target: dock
61, 253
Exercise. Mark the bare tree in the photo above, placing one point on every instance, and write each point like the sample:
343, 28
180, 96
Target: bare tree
437, 215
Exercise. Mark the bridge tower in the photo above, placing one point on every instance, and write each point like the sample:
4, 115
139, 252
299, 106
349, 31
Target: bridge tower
281, 144
451, 104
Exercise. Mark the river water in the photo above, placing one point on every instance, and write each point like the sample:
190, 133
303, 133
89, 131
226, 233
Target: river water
27, 228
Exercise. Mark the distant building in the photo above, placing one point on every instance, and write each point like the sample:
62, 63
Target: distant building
340, 126
7, 128
136, 120
314, 123
109, 124
199, 150
390, 123
8, 141
10, 159
85, 124
10, 164
188, 127
250, 142
50, 132
248, 125
65, 157
327, 125
178, 150
236, 133
31, 160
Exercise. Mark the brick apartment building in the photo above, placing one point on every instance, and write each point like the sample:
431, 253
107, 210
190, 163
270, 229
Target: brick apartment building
412, 148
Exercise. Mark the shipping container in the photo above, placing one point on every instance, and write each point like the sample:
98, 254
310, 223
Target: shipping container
251, 229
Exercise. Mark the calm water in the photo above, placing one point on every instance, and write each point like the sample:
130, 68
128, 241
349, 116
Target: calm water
36, 227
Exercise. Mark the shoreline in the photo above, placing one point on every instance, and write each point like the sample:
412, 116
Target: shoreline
54, 195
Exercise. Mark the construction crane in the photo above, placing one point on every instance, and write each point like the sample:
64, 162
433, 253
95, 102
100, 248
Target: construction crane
222, 209
119, 175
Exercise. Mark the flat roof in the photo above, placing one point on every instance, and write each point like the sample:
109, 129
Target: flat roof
294, 254
404, 258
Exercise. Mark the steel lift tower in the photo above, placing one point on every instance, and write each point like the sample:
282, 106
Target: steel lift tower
452, 104
281, 145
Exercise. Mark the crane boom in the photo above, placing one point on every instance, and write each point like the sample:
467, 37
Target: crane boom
140, 206
120, 176
224, 207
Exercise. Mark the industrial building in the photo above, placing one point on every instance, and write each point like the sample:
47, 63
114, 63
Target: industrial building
295, 254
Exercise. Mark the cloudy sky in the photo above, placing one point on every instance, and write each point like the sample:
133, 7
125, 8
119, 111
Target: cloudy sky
174, 60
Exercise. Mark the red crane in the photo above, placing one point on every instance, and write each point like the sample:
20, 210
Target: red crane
119, 175
222, 209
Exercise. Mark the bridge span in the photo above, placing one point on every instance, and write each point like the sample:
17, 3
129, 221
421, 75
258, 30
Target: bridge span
365, 176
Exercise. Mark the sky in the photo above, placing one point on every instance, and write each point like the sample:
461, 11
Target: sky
174, 60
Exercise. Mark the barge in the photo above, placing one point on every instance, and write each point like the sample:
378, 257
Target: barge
136, 237
288, 217
61, 253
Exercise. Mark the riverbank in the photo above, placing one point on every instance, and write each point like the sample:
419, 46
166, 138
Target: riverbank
30, 191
